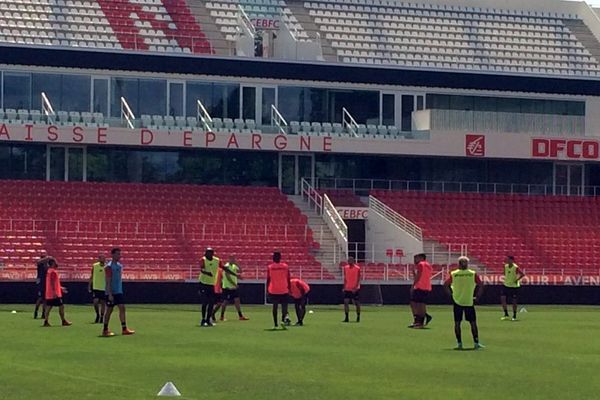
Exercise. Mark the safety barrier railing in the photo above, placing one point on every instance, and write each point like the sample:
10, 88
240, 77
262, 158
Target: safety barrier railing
349, 123
126, 114
278, 120
396, 218
364, 186
245, 21
47, 108
311, 196
339, 228
191, 230
204, 116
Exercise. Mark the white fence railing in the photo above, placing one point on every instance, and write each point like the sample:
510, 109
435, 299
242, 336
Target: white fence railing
339, 228
204, 116
278, 120
191, 230
349, 123
311, 196
396, 218
363, 186
47, 109
126, 114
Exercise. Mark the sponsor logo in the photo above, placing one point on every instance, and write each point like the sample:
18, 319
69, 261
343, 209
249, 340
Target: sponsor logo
475, 145
570, 149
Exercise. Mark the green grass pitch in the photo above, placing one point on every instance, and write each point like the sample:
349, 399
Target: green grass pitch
551, 353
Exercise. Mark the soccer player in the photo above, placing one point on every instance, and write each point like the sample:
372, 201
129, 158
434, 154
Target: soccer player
512, 283
53, 293
42, 266
218, 295
114, 293
278, 287
352, 278
299, 292
209, 267
420, 292
231, 274
97, 287
461, 287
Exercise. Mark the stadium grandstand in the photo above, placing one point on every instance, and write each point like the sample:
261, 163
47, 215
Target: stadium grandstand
378, 129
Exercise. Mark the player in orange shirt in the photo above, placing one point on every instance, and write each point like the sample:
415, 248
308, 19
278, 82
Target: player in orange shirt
420, 291
352, 278
54, 293
299, 292
278, 287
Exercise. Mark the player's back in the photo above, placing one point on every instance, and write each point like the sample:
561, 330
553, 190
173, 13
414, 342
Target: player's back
351, 277
279, 276
426, 271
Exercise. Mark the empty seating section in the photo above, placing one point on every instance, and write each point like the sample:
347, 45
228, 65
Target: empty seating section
159, 227
153, 25
343, 198
451, 36
548, 234
226, 12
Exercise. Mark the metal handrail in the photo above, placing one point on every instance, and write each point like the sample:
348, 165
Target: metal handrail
336, 223
361, 185
47, 108
245, 20
349, 122
204, 116
127, 114
278, 120
311, 196
396, 218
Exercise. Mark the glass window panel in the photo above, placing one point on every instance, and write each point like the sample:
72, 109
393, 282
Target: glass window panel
389, 109
75, 164
198, 91
408, 106
100, 101
75, 93
126, 88
249, 103
49, 84
420, 103
57, 163
152, 97
5, 167
291, 103
17, 91
176, 99
268, 99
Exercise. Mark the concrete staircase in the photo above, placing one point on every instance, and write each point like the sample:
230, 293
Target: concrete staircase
307, 22
584, 35
213, 34
322, 234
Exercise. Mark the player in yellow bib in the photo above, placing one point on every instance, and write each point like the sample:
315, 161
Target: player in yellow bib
209, 267
461, 285
97, 287
512, 283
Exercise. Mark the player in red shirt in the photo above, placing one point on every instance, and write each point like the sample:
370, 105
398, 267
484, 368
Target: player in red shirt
278, 287
352, 278
299, 292
54, 293
419, 292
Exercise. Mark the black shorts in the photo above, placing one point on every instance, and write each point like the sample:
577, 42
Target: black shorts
302, 300
348, 294
55, 302
230, 294
99, 294
468, 312
117, 300
512, 292
207, 293
419, 296
279, 298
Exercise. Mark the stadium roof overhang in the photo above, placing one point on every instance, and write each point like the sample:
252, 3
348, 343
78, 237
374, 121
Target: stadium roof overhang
292, 70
